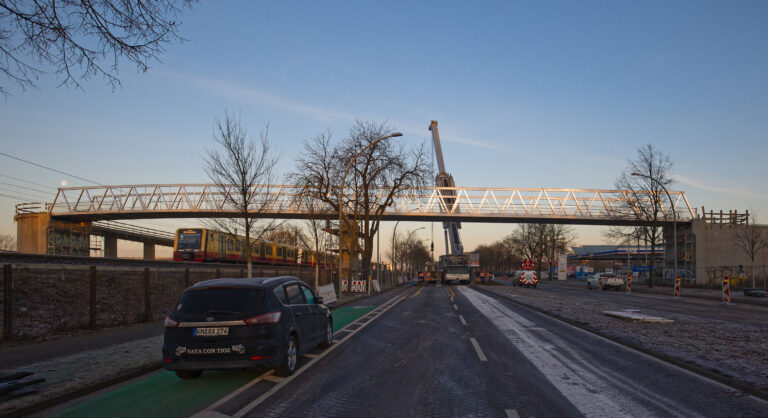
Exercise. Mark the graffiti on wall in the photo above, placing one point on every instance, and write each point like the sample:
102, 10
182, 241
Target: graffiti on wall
68, 242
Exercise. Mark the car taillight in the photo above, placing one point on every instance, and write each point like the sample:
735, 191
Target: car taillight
170, 322
268, 318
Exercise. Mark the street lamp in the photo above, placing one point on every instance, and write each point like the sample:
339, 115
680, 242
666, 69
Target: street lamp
674, 218
341, 194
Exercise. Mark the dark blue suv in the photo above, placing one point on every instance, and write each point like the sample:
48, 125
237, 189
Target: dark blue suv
245, 323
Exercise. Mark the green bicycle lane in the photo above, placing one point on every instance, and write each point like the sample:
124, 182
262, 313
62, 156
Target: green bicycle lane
164, 394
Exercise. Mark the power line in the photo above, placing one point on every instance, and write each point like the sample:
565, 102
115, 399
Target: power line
23, 194
51, 169
13, 197
24, 187
27, 181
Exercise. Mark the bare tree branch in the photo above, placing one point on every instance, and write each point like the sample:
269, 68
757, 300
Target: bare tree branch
82, 39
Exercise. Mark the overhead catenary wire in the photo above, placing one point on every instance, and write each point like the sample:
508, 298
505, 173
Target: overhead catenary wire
25, 188
50, 169
27, 181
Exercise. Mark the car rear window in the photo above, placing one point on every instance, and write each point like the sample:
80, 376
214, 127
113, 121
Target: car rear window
220, 302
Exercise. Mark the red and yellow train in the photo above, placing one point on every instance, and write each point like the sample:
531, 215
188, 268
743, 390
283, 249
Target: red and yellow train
210, 246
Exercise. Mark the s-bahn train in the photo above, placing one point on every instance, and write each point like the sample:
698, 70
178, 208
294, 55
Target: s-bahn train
210, 246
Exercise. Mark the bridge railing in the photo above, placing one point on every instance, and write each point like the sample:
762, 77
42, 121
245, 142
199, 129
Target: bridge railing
471, 202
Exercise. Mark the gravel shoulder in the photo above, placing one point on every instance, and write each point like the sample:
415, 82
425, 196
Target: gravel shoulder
736, 352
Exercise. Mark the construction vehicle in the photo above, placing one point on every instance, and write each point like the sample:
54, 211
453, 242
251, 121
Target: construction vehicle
453, 266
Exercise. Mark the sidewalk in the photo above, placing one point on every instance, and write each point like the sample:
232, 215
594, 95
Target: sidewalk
737, 296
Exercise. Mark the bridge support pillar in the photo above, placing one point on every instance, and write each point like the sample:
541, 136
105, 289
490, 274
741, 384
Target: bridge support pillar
32, 232
110, 246
149, 251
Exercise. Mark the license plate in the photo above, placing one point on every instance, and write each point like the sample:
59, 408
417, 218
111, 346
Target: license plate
211, 331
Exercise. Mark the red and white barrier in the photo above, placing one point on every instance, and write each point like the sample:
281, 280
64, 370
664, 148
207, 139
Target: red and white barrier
358, 286
726, 290
600, 283
629, 283
677, 287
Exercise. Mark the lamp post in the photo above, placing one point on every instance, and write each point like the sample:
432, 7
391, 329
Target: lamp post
674, 219
341, 203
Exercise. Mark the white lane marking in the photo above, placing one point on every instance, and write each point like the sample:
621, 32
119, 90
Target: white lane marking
276, 379
479, 350
590, 391
327, 351
462, 320
225, 399
309, 355
455, 307
512, 413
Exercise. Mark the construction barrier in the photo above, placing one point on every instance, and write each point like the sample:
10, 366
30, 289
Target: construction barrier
358, 286
600, 283
677, 287
629, 283
726, 290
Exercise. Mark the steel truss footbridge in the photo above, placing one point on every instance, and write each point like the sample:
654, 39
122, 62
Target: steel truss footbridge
432, 204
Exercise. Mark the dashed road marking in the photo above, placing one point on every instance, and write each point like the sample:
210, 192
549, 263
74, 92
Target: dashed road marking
455, 307
418, 291
462, 320
512, 413
479, 350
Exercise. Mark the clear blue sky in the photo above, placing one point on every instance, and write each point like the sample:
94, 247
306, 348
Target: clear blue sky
528, 94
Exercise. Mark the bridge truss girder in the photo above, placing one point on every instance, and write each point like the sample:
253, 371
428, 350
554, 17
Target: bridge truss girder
432, 204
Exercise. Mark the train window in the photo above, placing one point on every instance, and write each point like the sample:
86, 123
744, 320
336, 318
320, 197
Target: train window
269, 250
229, 245
279, 251
237, 245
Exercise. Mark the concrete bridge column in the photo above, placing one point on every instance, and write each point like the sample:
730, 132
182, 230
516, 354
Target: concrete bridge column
110, 246
149, 251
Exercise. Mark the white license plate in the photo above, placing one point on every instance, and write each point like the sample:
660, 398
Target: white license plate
211, 331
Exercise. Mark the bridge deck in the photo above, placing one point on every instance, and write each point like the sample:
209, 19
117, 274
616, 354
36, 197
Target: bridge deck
571, 206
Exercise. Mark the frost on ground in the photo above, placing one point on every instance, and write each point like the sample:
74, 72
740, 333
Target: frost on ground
736, 351
67, 374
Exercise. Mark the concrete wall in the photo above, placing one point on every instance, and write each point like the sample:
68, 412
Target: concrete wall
49, 299
717, 254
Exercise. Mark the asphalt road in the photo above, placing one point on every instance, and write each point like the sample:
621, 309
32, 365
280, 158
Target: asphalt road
705, 308
484, 356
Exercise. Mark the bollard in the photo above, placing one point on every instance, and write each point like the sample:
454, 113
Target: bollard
629, 283
600, 283
677, 287
726, 291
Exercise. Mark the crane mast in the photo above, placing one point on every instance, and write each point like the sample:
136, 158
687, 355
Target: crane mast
444, 179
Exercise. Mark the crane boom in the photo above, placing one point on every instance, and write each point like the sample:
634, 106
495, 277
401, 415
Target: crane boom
443, 179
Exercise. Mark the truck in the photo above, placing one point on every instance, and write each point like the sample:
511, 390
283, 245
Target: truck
454, 268
455, 265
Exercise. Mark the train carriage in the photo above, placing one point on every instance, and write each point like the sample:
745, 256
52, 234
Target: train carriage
210, 246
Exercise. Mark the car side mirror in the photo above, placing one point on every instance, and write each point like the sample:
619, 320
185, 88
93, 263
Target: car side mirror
319, 300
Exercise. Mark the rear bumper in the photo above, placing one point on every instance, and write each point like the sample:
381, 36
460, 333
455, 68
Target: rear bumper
260, 354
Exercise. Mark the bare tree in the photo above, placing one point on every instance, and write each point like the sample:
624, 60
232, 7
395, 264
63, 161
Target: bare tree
242, 171
382, 170
7, 243
557, 239
751, 239
528, 240
82, 39
643, 183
